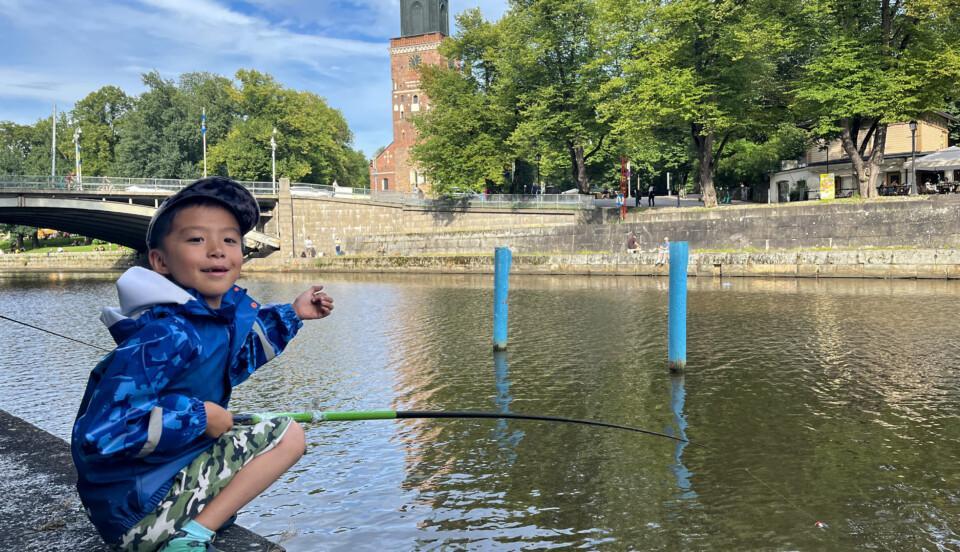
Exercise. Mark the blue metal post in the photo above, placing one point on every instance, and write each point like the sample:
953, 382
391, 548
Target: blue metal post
502, 259
677, 317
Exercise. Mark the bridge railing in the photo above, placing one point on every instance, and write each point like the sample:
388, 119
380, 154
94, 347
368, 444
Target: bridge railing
488, 201
113, 184
166, 186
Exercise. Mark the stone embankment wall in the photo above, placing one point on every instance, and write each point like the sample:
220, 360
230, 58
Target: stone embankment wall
928, 222
91, 261
326, 219
867, 263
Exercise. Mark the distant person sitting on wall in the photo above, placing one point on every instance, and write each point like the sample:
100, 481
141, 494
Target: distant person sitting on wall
308, 245
632, 244
663, 252
338, 246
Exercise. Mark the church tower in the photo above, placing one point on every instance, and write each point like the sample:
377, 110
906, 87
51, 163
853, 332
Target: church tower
423, 25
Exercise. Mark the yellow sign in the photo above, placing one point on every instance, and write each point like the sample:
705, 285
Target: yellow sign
826, 186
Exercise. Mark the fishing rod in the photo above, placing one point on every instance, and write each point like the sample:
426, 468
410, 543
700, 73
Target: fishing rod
54, 333
313, 416
359, 415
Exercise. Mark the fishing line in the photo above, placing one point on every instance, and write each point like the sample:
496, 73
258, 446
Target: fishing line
318, 416
55, 333
817, 523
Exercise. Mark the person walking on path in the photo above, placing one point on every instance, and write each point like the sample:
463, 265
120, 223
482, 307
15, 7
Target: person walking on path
160, 465
663, 252
620, 205
651, 196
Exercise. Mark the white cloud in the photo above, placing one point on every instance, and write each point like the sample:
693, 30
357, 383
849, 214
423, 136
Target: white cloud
62, 50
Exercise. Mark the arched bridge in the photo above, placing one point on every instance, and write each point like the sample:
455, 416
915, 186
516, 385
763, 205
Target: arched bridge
117, 210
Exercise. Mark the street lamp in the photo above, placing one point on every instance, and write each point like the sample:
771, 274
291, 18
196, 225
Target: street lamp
540, 184
77, 165
273, 157
203, 132
913, 157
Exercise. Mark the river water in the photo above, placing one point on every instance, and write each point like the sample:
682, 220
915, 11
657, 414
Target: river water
806, 401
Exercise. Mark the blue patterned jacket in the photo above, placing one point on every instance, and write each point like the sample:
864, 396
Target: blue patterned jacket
142, 417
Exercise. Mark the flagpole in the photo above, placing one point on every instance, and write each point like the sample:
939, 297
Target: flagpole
53, 145
203, 131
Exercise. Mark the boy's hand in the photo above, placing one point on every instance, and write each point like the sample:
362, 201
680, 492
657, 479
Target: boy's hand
219, 420
313, 304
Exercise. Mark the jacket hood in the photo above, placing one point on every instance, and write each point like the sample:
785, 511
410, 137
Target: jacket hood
139, 289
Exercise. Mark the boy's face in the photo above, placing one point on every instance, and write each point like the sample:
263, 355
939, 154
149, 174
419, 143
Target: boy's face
202, 251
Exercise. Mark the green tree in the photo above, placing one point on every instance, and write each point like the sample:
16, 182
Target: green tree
750, 161
711, 66
25, 149
463, 135
357, 169
149, 143
313, 139
550, 60
98, 115
954, 125
161, 136
877, 63
18, 231
15, 144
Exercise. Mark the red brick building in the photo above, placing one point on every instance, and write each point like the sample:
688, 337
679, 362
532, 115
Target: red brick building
423, 25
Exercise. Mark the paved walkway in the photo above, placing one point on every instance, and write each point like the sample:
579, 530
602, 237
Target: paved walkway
39, 507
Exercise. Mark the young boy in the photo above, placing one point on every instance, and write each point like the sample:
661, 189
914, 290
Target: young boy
159, 464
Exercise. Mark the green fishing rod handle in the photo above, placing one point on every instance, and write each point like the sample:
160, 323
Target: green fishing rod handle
316, 416
357, 415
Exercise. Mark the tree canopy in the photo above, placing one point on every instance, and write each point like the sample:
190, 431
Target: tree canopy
723, 89
157, 134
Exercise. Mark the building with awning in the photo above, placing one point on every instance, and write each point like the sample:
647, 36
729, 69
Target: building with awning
799, 179
943, 160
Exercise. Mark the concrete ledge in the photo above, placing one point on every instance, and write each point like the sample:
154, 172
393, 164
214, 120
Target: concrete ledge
40, 509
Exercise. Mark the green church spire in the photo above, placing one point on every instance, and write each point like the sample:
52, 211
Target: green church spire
424, 16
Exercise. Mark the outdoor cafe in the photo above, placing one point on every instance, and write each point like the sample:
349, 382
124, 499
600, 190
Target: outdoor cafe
937, 172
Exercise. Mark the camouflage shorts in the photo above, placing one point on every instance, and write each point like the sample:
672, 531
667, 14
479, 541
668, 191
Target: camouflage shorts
198, 483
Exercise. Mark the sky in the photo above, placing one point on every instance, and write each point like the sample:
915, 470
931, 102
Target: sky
58, 51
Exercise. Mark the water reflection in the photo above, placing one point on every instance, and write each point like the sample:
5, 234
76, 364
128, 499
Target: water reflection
841, 395
507, 439
678, 396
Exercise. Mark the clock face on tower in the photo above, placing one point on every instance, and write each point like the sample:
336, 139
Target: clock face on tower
415, 60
